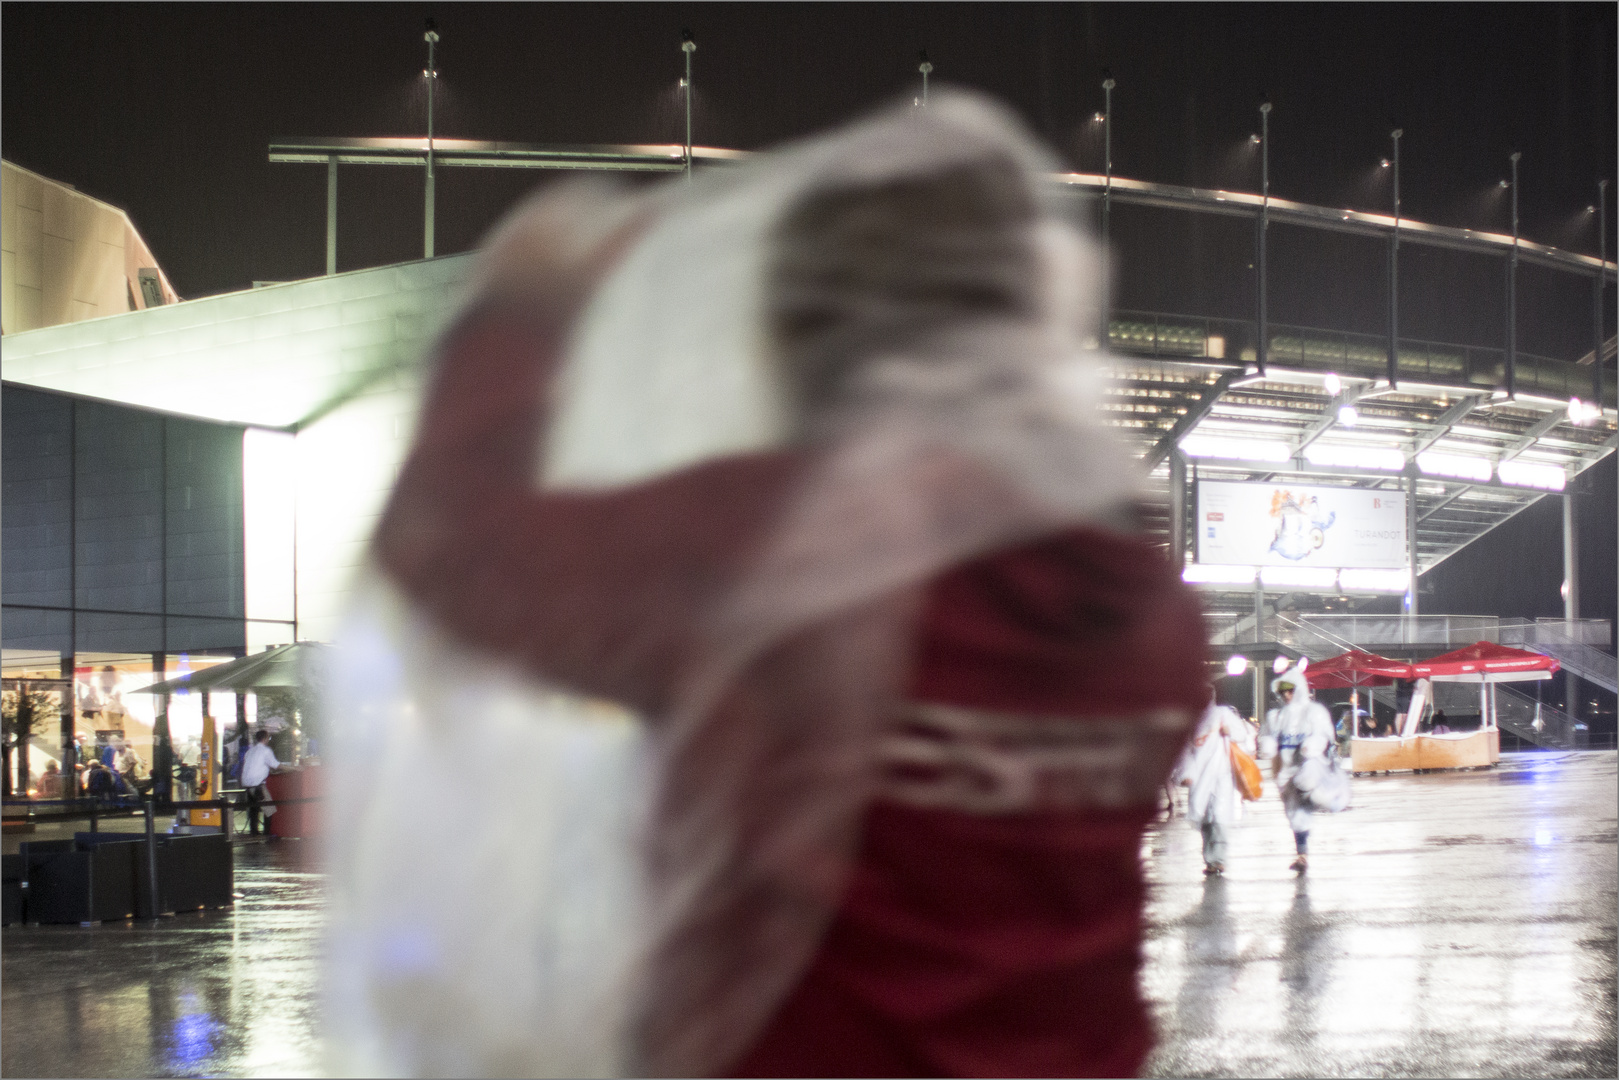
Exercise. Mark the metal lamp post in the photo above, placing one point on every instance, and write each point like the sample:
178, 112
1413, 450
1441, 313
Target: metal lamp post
687, 46
1262, 237
1107, 202
431, 74
1598, 285
926, 68
1394, 269
1512, 288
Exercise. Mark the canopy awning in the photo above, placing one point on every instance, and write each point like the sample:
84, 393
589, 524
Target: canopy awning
1355, 668
1486, 662
281, 666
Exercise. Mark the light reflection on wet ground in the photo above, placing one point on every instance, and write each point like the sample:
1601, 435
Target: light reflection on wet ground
1451, 924
1454, 924
218, 993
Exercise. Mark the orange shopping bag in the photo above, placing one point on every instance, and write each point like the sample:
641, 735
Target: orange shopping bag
1245, 773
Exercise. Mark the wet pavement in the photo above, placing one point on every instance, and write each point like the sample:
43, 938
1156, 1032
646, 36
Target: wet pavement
1451, 924
212, 993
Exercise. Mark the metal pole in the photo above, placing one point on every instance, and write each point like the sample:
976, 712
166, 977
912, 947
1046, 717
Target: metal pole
1264, 228
1394, 271
331, 215
1259, 666
1571, 592
1598, 285
1411, 548
926, 69
687, 46
1177, 510
431, 37
1571, 558
67, 727
1259, 609
1107, 204
151, 859
1512, 289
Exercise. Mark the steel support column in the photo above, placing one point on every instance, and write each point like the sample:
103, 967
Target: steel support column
1259, 668
1177, 510
1512, 289
1598, 283
331, 215
431, 37
1394, 271
68, 729
1571, 592
1571, 558
1261, 239
1411, 543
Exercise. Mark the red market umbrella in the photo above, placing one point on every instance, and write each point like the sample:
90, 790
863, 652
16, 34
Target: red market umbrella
1355, 668
1486, 662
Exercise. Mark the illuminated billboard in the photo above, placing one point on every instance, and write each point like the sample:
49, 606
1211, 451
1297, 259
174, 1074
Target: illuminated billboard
1281, 524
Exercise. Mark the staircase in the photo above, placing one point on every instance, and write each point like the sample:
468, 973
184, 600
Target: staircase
1520, 714
1541, 725
1551, 637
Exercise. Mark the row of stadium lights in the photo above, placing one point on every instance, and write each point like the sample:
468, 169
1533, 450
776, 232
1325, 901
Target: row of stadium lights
1322, 578
1380, 459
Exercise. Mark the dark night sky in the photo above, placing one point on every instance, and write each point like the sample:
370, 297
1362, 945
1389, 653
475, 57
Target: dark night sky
167, 111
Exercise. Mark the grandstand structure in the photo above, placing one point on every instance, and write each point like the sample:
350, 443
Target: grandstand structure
325, 371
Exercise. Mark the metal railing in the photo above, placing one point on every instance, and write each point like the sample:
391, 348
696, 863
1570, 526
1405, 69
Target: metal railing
1456, 630
1167, 336
1559, 639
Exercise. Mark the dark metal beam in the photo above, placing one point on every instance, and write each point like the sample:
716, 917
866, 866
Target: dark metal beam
1191, 418
1527, 439
1446, 501
1441, 427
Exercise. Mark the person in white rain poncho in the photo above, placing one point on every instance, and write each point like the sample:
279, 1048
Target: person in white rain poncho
1294, 738
1213, 801
774, 516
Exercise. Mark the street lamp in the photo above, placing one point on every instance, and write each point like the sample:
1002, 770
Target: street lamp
431, 75
1394, 266
926, 68
1262, 234
1107, 195
1599, 284
1512, 288
687, 46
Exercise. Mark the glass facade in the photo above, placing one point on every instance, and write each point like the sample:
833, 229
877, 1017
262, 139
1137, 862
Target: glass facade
123, 563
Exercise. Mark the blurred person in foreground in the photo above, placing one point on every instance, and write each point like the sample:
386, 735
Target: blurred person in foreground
1295, 734
773, 514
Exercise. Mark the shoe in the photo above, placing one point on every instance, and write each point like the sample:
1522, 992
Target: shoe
1214, 869
1300, 864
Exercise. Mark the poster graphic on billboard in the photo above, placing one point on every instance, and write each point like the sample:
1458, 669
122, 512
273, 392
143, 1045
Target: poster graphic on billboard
1280, 524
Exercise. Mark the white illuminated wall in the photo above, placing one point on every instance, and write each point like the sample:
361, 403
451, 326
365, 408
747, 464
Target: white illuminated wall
346, 464
269, 535
332, 362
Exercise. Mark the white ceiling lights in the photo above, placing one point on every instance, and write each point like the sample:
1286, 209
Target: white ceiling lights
1216, 446
1349, 456
1312, 578
1532, 474
1460, 466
